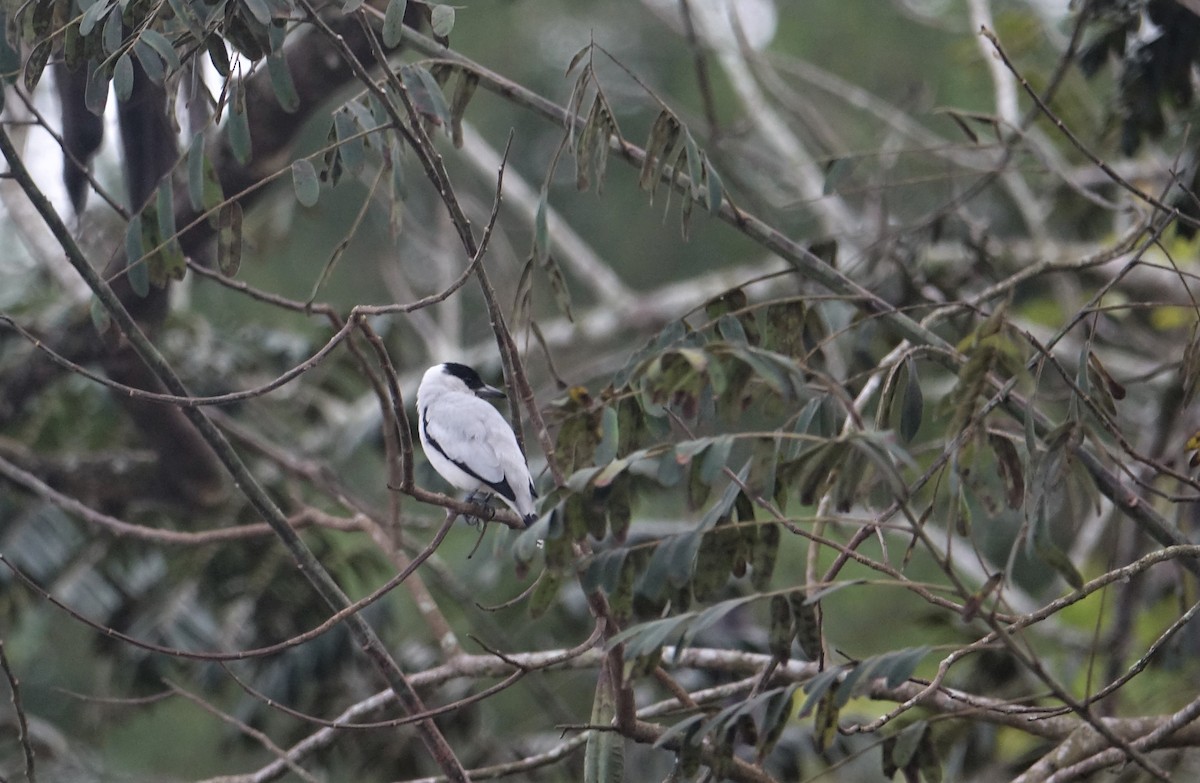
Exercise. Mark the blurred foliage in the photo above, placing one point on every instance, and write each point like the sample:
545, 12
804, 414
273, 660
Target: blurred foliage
752, 463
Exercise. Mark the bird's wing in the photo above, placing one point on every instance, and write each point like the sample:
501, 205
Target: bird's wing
467, 431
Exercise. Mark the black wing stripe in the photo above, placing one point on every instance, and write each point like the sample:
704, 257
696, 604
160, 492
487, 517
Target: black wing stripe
502, 487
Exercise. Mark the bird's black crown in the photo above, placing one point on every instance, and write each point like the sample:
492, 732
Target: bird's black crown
465, 374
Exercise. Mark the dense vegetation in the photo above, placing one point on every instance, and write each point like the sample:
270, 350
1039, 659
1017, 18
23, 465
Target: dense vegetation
853, 350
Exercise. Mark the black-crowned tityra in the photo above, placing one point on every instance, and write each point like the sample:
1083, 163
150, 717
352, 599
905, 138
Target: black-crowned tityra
467, 440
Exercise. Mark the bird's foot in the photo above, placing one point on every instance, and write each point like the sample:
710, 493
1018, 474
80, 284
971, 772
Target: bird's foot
484, 501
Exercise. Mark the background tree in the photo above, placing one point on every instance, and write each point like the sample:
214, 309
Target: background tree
864, 448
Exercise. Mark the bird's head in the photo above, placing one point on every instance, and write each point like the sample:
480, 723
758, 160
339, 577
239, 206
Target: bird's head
452, 376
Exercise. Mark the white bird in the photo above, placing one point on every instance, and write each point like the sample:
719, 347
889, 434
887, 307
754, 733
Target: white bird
467, 440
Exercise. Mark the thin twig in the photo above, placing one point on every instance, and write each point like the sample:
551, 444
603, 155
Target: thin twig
14, 686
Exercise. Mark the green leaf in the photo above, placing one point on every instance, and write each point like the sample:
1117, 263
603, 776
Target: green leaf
281, 82
184, 11
541, 230
714, 192
781, 630
663, 135
195, 169
135, 265
151, 62
603, 571
217, 54
715, 458
113, 33
95, 93
162, 46
912, 403
604, 755
351, 147
123, 77
467, 83
606, 450
896, 667
907, 742
1052, 555
775, 718
609, 472
36, 64
731, 329
685, 729
393, 23
237, 128
229, 238
825, 721
10, 58
441, 20
260, 10
681, 558
304, 179
92, 16
653, 582
818, 686
762, 559
808, 626
426, 94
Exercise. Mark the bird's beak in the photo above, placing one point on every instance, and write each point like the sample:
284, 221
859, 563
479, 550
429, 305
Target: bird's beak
490, 392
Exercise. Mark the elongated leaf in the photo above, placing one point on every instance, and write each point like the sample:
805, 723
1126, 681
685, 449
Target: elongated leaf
684, 730
441, 20
159, 43
95, 93
92, 16
825, 721
393, 22
776, 717
604, 756
896, 667
123, 77
541, 231
217, 54
603, 571
781, 630
229, 238
426, 94
260, 10
237, 127
151, 63
281, 82
113, 33
1051, 554
351, 147
762, 559
304, 179
912, 403
166, 210
610, 435
184, 11
714, 193
195, 170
